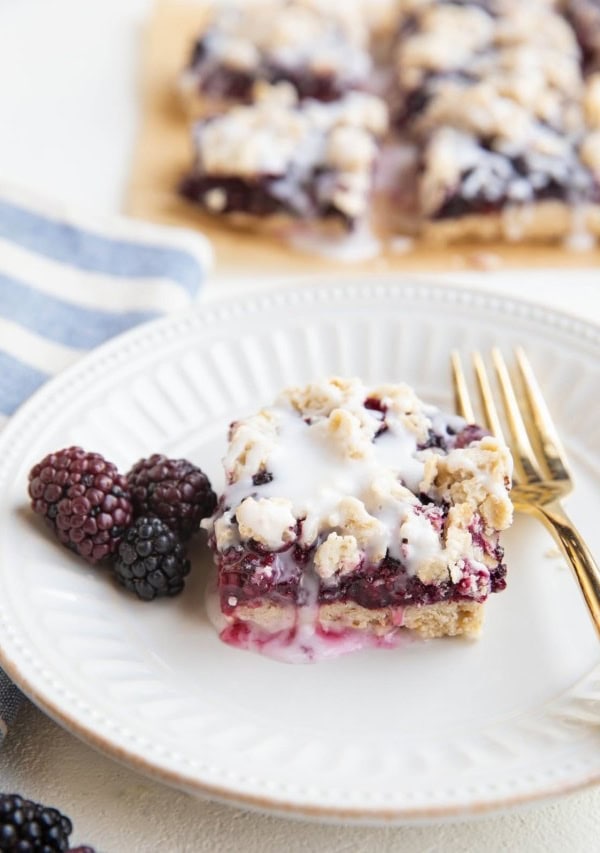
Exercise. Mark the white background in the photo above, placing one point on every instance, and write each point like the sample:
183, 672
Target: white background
68, 117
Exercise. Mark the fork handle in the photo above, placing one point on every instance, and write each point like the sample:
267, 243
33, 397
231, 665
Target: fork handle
578, 554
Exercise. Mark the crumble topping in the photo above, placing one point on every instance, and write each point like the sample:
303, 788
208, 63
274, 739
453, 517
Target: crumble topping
337, 554
308, 37
349, 434
357, 475
276, 134
476, 481
490, 111
250, 443
446, 38
369, 532
248, 141
269, 521
320, 399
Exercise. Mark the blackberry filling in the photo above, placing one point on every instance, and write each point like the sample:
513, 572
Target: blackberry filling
252, 579
267, 195
221, 82
237, 195
247, 576
389, 585
459, 204
471, 433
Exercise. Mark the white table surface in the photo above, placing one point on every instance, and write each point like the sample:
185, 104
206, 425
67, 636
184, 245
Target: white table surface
68, 108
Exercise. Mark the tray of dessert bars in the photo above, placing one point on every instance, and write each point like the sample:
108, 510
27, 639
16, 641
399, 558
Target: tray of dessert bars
405, 135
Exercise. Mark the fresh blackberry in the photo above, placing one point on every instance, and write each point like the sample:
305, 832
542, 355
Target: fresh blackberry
27, 827
171, 489
150, 560
84, 499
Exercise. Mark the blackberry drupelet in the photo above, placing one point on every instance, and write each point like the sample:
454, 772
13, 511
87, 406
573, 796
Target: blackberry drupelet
174, 490
150, 560
28, 827
84, 499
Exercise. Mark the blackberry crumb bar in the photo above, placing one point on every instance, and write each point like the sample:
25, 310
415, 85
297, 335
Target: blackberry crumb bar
356, 509
494, 93
278, 160
500, 189
317, 46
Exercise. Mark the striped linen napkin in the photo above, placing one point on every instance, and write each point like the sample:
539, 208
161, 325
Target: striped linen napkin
69, 282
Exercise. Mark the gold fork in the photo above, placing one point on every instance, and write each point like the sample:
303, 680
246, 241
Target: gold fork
541, 475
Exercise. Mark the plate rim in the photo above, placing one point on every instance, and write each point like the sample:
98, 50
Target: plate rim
323, 290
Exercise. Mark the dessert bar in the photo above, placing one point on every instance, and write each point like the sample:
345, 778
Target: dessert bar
278, 160
359, 509
494, 94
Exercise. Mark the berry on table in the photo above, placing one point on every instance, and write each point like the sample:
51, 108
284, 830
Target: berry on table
84, 499
28, 827
151, 560
174, 490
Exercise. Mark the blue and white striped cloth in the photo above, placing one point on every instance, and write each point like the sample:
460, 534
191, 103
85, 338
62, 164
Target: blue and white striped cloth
69, 282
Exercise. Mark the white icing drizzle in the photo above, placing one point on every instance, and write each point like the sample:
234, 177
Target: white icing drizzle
311, 470
306, 645
340, 468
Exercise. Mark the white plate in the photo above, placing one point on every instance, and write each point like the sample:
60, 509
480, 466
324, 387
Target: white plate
429, 730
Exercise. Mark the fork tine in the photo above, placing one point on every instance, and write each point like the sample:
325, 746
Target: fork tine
523, 453
487, 398
550, 445
462, 400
